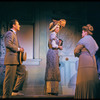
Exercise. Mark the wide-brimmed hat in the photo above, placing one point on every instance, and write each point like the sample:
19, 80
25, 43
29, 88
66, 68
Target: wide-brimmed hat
88, 28
22, 56
55, 23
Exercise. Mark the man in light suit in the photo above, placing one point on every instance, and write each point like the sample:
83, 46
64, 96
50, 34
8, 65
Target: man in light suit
13, 69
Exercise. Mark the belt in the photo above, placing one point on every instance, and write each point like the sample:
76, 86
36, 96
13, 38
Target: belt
54, 48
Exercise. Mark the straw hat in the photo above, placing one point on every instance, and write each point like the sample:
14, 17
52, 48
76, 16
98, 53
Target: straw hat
55, 23
22, 56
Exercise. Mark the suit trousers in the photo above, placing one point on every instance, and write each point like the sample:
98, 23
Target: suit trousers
14, 79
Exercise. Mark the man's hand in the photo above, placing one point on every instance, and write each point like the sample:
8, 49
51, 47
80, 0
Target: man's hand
21, 49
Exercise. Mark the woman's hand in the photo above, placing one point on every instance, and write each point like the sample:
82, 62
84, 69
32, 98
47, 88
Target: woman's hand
60, 47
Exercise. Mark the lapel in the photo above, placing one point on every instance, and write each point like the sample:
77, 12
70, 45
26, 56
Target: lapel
15, 36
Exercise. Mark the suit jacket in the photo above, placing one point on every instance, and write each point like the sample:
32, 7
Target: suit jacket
11, 44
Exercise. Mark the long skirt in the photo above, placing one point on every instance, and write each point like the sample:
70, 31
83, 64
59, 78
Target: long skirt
52, 87
87, 77
52, 74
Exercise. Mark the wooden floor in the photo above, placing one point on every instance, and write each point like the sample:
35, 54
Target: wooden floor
42, 97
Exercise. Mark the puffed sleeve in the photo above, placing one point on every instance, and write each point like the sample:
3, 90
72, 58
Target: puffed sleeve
53, 40
77, 50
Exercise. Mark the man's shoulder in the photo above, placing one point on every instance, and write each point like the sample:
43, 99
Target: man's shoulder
8, 32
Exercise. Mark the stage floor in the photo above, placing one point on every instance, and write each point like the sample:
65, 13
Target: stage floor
42, 97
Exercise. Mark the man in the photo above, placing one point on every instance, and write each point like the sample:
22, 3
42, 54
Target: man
13, 69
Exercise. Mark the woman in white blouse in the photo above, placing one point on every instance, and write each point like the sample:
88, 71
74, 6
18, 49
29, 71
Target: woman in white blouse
52, 75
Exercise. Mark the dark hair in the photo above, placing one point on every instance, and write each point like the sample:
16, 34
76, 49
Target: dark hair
13, 21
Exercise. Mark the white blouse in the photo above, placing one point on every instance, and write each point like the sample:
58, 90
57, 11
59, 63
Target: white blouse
54, 38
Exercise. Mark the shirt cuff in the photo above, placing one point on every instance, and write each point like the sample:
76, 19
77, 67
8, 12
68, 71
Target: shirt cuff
18, 49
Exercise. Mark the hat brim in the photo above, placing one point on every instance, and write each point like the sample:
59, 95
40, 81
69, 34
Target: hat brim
22, 57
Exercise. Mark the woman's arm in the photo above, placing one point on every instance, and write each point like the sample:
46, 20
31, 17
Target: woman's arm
77, 50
